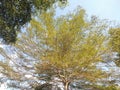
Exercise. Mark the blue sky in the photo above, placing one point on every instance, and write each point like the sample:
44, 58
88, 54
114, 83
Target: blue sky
105, 9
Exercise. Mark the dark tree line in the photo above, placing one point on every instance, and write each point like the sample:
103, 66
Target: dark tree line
16, 13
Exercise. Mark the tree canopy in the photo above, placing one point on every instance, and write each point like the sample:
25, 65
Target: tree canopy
62, 46
16, 13
67, 48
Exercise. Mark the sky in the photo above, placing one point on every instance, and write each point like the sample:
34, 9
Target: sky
104, 9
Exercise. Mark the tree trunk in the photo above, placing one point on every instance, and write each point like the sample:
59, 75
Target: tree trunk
66, 85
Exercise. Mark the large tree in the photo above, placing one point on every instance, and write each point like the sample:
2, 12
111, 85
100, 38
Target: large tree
67, 48
16, 13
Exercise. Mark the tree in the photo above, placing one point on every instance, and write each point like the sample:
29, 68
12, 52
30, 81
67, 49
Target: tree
16, 13
115, 42
67, 48
16, 70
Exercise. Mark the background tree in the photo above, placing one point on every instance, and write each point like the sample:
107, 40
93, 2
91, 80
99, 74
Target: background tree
16, 13
67, 48
115, 43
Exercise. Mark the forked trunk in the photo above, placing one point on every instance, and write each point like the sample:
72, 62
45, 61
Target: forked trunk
66, 85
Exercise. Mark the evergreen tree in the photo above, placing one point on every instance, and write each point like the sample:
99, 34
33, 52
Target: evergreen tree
16, 13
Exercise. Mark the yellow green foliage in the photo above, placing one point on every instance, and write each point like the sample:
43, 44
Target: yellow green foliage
112, 87
115, 43
68, 47
115, 39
